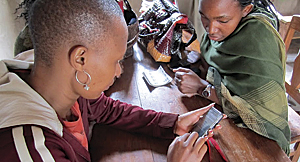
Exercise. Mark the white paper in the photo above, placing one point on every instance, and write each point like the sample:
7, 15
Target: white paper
157, 78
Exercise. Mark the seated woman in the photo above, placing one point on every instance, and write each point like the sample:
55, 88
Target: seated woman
48, 97
244, 66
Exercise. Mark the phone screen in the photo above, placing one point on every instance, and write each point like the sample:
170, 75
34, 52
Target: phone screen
209, 120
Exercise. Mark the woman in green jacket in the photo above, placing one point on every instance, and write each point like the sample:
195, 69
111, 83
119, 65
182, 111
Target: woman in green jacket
244, 67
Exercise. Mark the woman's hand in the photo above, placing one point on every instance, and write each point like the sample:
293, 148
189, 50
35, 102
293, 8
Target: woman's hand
187, 148
185, 122
187, 81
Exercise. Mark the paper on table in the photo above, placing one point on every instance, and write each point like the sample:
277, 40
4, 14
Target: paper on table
157, 78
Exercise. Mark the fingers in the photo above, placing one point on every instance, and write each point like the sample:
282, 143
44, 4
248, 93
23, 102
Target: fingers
192, 138
181, 69
210, 105
200, 143
199, 146
202, 151
184, 137
180, 139
177, 81
179, 74
178, 77
217, 127
210, 133
187, 147
203, 110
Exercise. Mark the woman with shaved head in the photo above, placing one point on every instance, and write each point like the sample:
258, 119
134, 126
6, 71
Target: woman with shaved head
47, 100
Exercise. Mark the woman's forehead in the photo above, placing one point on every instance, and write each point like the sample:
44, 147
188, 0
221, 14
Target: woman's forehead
219, 3
221, 7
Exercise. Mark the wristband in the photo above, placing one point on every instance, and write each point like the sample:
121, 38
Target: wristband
207, 91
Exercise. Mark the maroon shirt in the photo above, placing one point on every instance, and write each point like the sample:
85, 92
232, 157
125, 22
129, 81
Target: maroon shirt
67, 148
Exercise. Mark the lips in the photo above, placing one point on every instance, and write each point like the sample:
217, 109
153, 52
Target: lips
213, 38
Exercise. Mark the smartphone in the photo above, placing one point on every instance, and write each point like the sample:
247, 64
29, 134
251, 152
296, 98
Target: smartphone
209, 120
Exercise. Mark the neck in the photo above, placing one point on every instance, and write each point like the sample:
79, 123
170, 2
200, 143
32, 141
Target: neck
53, 86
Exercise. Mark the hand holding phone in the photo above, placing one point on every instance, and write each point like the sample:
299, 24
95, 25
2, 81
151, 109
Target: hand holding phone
208, 121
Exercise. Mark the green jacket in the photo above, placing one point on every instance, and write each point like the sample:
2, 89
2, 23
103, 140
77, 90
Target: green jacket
248, 71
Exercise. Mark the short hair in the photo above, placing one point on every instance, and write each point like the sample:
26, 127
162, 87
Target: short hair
55, 23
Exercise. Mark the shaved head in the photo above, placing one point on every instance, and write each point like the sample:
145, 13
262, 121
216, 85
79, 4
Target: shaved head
56, 24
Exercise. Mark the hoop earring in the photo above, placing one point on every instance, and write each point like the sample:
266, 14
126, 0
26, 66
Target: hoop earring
85, 85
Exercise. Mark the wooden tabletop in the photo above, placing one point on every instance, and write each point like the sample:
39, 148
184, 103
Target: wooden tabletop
112, 145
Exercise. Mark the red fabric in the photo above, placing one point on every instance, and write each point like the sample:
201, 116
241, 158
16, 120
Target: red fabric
217, 147
127, 117
163, 45
102, 110
121, 5
76, 127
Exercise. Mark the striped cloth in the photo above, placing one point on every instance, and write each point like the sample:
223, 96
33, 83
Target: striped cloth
248, 70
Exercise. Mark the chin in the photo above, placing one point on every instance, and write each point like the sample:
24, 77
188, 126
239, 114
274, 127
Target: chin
92, 94
91, 97
216, 38
106, 88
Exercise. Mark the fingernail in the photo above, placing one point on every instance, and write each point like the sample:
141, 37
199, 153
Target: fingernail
218, 126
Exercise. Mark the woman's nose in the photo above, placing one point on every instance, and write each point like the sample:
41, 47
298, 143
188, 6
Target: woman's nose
212, 28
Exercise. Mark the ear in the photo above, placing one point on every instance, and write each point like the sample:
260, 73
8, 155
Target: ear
247, 10
78, 57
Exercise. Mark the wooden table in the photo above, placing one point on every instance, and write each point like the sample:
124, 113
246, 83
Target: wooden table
112, 145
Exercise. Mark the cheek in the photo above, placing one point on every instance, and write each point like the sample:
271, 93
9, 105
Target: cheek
109, 72
102, 74
205, 22
227, 29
